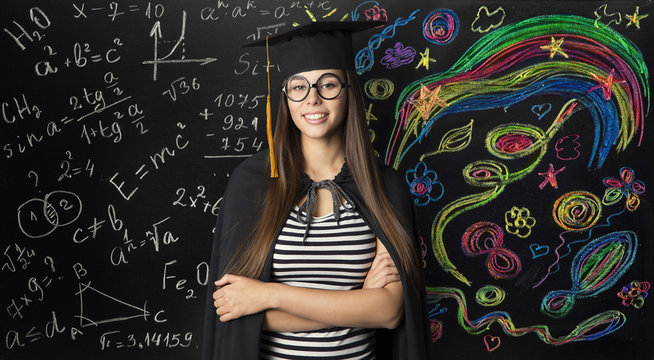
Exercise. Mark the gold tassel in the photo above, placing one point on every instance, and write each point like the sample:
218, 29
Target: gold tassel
273, 162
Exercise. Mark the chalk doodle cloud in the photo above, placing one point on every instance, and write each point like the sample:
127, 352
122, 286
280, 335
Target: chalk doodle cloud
487, 21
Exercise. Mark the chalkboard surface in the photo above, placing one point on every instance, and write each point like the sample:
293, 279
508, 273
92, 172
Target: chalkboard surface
521, 128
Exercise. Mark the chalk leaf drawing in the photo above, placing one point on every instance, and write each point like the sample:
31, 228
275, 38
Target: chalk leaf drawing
454, 140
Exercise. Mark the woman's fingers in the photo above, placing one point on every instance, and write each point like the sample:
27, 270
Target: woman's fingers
384, 263
382, 272
226, 279
239, 296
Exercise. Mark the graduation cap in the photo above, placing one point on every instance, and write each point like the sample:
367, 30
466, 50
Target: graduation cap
314, 46
317, 45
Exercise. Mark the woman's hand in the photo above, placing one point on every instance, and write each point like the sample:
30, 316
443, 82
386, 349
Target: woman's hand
382, 271
239, 296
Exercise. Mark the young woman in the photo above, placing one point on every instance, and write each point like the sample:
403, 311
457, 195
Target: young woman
320, 261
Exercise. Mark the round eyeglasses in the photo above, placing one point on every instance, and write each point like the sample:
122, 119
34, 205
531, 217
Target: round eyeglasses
329, 86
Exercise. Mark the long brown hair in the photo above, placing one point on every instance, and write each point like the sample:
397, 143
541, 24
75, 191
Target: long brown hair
284, 192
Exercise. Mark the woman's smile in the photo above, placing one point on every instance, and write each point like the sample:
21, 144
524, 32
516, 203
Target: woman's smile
315, 117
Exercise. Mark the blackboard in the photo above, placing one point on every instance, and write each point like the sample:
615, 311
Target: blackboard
521, 128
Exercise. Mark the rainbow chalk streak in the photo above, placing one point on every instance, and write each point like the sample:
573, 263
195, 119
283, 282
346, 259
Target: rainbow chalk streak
592, 328
514, 63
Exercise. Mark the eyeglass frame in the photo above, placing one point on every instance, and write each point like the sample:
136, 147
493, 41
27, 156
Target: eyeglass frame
315, 85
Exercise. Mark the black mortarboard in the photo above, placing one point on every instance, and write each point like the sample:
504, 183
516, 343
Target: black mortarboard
317, 45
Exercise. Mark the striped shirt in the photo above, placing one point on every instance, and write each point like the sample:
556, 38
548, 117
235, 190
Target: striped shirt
335, 257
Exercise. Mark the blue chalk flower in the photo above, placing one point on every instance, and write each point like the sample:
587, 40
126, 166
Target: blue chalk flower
421, 183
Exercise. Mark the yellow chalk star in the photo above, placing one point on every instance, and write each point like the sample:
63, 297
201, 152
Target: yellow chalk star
425, 59
427, 100
635, 18
555, 48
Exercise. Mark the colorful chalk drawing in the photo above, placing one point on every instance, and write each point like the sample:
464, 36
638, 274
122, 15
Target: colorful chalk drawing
566, 151
454, 140
634, 294
538, 250
595, 268
427, 100
398, 55
627, 186
313, 17
541, 110
485, 237
378, 89
578, 211
440, 26
425, 60
574, 212
488, 17
550, 177
379, 15
540, 56
436, 329
364, 58
376, 13
492, 342
635, 18
421, 182
600, 14
518, 221
490, 295
592, 328
508, 66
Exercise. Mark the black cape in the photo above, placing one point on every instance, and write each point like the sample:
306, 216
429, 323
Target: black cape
239, 339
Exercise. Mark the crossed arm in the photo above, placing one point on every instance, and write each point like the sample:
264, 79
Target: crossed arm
379, 304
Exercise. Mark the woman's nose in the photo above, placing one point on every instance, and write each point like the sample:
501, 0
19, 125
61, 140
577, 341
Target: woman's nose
313, 96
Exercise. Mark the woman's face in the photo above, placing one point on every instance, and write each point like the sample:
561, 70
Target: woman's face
314, 116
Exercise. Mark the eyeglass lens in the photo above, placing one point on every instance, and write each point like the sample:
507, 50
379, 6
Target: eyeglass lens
328, 86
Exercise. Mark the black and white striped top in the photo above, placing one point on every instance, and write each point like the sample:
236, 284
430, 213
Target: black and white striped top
336, 257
